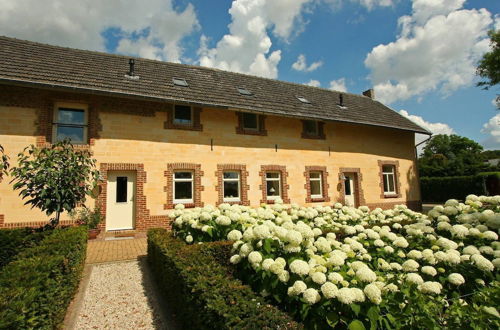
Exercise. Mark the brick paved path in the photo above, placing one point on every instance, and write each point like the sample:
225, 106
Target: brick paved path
115, 250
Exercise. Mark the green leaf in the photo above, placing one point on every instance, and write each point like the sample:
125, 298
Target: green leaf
332, 319
356, 325
355, 308
267, 246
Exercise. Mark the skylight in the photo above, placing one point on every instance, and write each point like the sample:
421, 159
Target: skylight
180, 82
303, 99
244, 91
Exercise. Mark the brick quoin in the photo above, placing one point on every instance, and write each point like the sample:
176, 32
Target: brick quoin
244, 187
324, 183
284, 185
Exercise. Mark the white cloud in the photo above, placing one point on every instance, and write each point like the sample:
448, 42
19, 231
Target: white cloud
437, 49
338, 85
434, 128
368, 4
79, 24
314, 83
492, 129
301, 64
247, 46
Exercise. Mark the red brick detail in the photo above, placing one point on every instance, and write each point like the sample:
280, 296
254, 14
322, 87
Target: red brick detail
321, 131
244, 187
358, 177
262, 126
324, 183
284, 185
33, 224
143, 219
413, 205
196, 126
169, 188
397, 181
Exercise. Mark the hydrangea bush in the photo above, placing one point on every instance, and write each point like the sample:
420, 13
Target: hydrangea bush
342, 266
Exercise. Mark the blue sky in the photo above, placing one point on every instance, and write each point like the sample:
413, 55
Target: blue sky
419, 55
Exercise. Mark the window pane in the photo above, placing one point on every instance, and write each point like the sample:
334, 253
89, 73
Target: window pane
387, 168
231, 175
182, 114
315, 175
231, 189
71, 116
386, 185
183, 175
272, 175
390, 178
347, 184
75, 134
311, 127
273, 188
315, 188
121, 189
250, 121
183, 190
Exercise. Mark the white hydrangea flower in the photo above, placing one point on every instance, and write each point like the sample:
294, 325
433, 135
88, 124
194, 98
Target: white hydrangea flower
490, 235
470, 249
335, 277
389, 249
223, 220
261, 232
329, 290
373, 293
179, 206
414, 278
245, 249
297, 288
266, 264
400, 242
429, 270
235, 259
318, 278
430, 287
255, 257
189, 238
346, 296
459, 231
365, 274
311, 296
234, 235
410, 265
456, 279
414, 254
482, 263
299, 267
284, 276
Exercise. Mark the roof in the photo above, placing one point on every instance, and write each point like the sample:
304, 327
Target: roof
36, 64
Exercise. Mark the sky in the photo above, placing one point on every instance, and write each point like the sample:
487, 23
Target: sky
419, 56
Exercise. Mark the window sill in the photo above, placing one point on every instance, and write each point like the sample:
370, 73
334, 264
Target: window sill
76, 146
316, 199
169, 125
392, 195
186, 204
251, 132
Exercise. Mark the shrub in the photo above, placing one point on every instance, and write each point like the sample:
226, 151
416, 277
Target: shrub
14, 241
36, 288
203, 292
440, 189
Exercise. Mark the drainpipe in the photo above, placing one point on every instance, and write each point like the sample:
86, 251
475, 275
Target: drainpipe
416, 167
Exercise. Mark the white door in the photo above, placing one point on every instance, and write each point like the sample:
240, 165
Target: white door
120, 204
349, 190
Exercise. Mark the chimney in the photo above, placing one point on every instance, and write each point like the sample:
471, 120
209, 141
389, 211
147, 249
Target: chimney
131, 62
341, 99
370, 93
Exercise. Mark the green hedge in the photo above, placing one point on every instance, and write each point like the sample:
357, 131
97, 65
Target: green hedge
440, 189
203, 292
14, 241
36, 288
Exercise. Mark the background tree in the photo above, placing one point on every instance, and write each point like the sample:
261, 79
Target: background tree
55, 179
4, 163
451, 155
489, 66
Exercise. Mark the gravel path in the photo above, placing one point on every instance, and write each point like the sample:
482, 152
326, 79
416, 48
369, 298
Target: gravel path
120, 296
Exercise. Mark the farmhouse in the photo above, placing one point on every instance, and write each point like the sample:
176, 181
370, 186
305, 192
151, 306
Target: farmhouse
166, 134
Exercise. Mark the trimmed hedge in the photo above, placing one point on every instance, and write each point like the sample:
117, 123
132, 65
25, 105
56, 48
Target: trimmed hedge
203, 292
14, 241
440, 189
36, 288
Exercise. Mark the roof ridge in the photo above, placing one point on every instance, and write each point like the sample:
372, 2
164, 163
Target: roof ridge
179, 64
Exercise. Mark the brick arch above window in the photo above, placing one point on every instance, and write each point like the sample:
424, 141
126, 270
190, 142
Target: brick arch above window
397, 183
197, 189
244, 187
284, 186
324, 183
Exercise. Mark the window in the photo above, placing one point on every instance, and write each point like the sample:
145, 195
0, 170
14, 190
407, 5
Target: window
70, 123
183, 187
180, 82
388, 178
311, 127
316, 184
183, 115
121, 189
244, 91
231, 186
303, 99
250, 121
273, 185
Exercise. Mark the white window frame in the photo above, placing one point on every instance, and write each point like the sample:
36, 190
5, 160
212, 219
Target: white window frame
175, 122
238, 180
279, 184
316, 131
386, 176
256, 129
70, 106
320, 180
183, 201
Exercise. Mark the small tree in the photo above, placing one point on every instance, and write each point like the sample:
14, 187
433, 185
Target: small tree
55, 179
4, 163
489, 66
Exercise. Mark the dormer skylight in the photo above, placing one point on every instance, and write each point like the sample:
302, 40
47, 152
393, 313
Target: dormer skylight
244, 91
303, 99
180, 82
